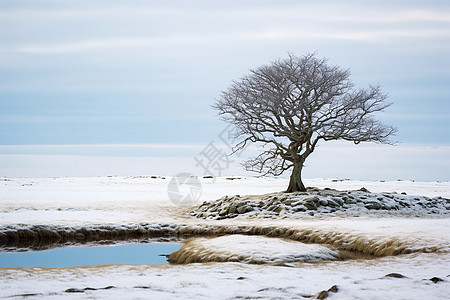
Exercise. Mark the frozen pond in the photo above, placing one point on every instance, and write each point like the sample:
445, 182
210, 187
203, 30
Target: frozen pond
131, 254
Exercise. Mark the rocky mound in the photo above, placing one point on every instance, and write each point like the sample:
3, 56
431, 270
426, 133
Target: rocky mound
316, 202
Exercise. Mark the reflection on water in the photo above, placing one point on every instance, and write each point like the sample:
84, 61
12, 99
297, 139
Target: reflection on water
151, 253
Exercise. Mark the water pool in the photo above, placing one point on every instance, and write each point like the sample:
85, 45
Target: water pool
148, 253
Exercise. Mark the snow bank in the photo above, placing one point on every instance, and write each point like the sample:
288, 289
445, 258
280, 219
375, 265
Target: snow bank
250, 249
359, 236
355, 279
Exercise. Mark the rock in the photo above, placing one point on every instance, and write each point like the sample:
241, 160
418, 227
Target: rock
322, 295
338, 200
313, 199
310, 205
73, 290
395, 275
288, 201
232, 210
333, 289
241, 278
332, 203
240, 204
299, 208
323, 202
350, 201
271, 201
436, 279
223, 212
279, 209
242, 209
404, 204
372, 205
80, 236
363, 189
208, 177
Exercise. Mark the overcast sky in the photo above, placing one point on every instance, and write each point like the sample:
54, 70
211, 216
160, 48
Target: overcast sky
146, 72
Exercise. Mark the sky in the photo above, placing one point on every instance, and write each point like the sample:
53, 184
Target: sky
93, 88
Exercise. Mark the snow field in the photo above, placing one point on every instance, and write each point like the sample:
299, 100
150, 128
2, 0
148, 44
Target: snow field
132, 201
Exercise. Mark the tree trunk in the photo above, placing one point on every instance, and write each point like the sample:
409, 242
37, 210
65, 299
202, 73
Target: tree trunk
295, 182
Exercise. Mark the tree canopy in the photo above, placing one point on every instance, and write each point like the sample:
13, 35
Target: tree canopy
290, 105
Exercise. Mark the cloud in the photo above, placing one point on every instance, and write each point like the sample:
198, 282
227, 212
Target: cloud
87, 28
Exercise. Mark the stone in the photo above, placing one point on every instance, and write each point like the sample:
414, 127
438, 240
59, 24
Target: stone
310, 205
350, 201
299, 208
232, 210
223, 212
73, 290
322, 295
80, 236
240, 204
436, 279
271, 201
243, 209
333, 203
372, 205
241, 278
338, 200
279, 209
313, 199
363, 189
323, 202
333, 289
288, 201
395, 275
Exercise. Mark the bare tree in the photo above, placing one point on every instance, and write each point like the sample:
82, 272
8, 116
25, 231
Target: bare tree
292, 104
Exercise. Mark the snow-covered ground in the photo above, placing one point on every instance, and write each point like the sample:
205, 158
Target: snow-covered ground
144, 200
